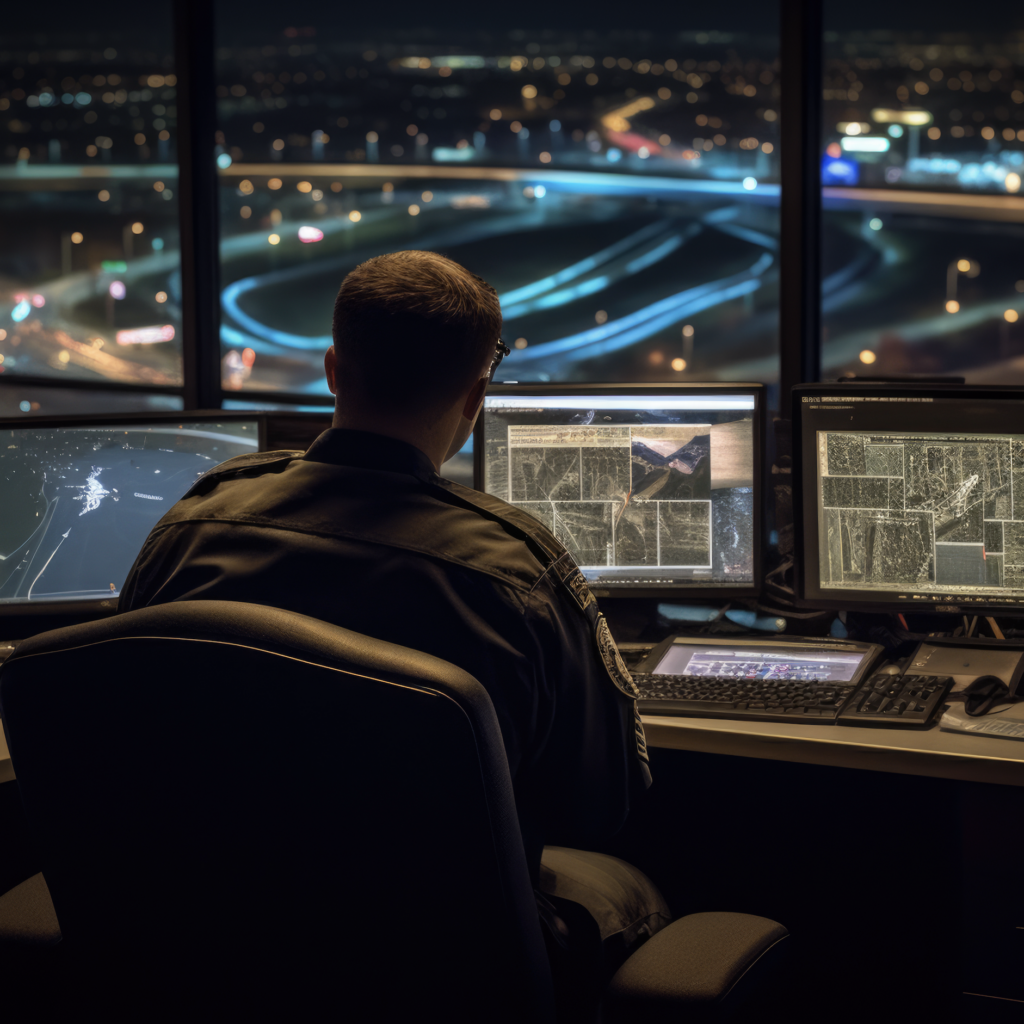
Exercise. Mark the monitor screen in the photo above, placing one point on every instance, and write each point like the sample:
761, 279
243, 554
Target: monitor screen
651, 489
770, 659
910, 495
80, 499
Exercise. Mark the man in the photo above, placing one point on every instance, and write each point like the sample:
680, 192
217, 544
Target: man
362, 531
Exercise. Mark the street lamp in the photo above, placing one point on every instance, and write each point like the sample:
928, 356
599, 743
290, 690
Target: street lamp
966, 267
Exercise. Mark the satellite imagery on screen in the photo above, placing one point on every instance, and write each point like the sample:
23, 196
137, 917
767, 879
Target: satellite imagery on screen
920, 512
79, 502
659, 500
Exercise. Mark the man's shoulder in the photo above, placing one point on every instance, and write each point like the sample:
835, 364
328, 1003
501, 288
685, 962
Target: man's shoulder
253, 464
516, 522
558, 566
442, 520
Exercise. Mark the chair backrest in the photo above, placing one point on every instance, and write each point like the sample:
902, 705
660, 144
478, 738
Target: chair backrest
243, 804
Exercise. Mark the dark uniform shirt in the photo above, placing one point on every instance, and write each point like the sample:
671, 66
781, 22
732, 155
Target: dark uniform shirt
360, 531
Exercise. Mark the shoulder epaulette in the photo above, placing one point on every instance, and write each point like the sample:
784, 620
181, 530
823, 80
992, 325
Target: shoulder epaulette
240, 464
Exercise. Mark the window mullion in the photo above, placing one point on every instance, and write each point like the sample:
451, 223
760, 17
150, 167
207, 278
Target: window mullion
197, 199
801, 46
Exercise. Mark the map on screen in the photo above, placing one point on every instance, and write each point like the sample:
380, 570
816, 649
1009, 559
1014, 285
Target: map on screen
79, 501
652, 490
917, 512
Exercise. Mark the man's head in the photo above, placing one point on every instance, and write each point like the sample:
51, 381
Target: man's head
415, 336
413, 331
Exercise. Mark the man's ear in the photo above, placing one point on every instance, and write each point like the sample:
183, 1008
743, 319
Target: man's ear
475, 399
331, 369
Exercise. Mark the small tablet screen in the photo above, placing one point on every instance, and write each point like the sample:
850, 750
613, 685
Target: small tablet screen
687, 657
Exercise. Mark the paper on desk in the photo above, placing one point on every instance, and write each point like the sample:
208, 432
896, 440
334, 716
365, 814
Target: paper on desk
1008, 724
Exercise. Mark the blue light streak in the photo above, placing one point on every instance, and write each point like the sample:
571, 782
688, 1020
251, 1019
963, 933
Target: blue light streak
658, 253
621, 333
584, 266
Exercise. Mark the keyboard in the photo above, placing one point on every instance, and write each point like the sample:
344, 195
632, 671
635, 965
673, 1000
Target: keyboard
903, 700
766, 700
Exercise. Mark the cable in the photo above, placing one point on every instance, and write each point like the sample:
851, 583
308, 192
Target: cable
996, 631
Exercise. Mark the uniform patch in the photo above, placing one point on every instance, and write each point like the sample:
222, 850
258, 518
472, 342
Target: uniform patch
570, 574
613, 660
577, 584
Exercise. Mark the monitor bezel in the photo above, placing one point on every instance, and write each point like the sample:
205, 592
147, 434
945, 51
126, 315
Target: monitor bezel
94, 608
668, 592
805, 519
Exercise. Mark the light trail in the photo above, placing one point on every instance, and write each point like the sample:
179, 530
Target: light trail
544, 294
63, 538
618, 334
37, 536
257, 335
566, 286
978, 206
604, 182
584, 266
210, 435
536, 296
618, 271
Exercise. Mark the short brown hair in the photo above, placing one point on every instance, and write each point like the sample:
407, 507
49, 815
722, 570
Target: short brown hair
413, 329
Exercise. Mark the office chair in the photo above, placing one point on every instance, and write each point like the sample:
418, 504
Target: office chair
248, 811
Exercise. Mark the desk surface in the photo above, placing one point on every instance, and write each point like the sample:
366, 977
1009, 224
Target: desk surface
932, 752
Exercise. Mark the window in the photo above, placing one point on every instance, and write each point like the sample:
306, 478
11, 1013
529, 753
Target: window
923, 215
618, 184
88, 216
619, 189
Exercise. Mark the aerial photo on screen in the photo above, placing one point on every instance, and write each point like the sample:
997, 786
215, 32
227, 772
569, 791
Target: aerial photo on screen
79, 502
631, 495
924, 513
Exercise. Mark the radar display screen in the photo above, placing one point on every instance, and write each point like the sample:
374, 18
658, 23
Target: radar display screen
653, 490
79, 501
913, 497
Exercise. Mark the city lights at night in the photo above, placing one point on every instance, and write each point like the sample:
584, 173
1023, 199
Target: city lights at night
636, 175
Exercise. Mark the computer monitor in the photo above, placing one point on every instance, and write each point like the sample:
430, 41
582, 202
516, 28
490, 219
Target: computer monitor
81, 494
655, 489
909, 496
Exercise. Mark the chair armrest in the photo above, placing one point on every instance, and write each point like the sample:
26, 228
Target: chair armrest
693, 965
27, 917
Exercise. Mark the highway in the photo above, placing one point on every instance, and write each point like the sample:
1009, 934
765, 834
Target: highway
597, 273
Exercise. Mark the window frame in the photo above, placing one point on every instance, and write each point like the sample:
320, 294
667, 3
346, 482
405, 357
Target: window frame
801, 48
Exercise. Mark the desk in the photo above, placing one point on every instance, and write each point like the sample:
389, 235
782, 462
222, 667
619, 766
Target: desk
951, 838
927, 752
